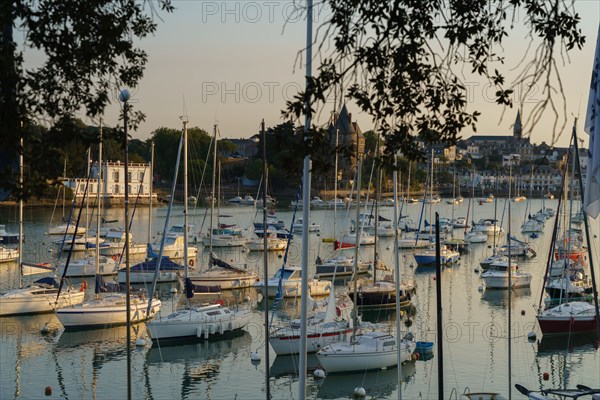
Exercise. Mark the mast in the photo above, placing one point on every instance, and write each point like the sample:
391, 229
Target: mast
356, 244
151, 189
64, 177
20, 253
124, 97
305, 207
97, 252
212, 195
335, 181
185, 201
508, 242
397, 272
438, 291
587, 232
265, 260
377, 192
86, 198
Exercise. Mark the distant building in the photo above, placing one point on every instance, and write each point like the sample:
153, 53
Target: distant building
350, 140
511, 160
112, 188
246, 147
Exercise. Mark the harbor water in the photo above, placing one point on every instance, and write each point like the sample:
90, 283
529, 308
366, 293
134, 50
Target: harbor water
91, 364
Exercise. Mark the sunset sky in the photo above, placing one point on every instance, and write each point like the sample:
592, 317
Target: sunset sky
235, 62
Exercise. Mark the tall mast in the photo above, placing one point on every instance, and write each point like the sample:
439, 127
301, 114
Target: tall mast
185, 201
356, 243
64, 177
151, 189
212, 196
508, 242
587, 231
335, 180
86, 198
98, 198
265, 259
397, 271
305, 208
21, 150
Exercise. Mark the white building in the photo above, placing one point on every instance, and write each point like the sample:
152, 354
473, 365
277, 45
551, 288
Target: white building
112, 189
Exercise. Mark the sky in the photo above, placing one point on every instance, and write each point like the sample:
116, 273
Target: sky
236, 62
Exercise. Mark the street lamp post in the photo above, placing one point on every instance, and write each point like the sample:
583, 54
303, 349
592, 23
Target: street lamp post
124, 97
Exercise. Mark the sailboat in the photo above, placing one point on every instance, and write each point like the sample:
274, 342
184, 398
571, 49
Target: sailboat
366, 350
193, 322
218, 272
110, 309
66, 228
39, 296
503, 273
323, 328
570, 315
380, 292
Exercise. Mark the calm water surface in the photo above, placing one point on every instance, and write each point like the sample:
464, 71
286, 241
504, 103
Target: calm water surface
92, 364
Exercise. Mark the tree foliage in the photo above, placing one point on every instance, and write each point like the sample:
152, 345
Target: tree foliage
402, 62
84, 52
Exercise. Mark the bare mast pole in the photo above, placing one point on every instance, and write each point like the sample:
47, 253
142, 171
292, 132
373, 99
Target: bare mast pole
306, 183
265, 261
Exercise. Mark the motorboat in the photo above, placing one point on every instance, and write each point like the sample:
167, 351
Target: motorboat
224, 240
8, 237
496, 277
298, 227
364, 239
273, 242
174, 248
532, 225
476, 236
114, 244
428, 256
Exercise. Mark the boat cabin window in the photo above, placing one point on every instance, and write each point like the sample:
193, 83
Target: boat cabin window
389, 343
211, 313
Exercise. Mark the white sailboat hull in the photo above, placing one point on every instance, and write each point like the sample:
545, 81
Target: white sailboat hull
358, 356
287, 340
201, 323
292, 288
109, 311
147, 276
224, 282
37, 300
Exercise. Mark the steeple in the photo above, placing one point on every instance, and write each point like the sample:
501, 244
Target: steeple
517, 127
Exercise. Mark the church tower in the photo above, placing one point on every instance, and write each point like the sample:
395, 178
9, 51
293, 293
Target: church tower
518, 128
